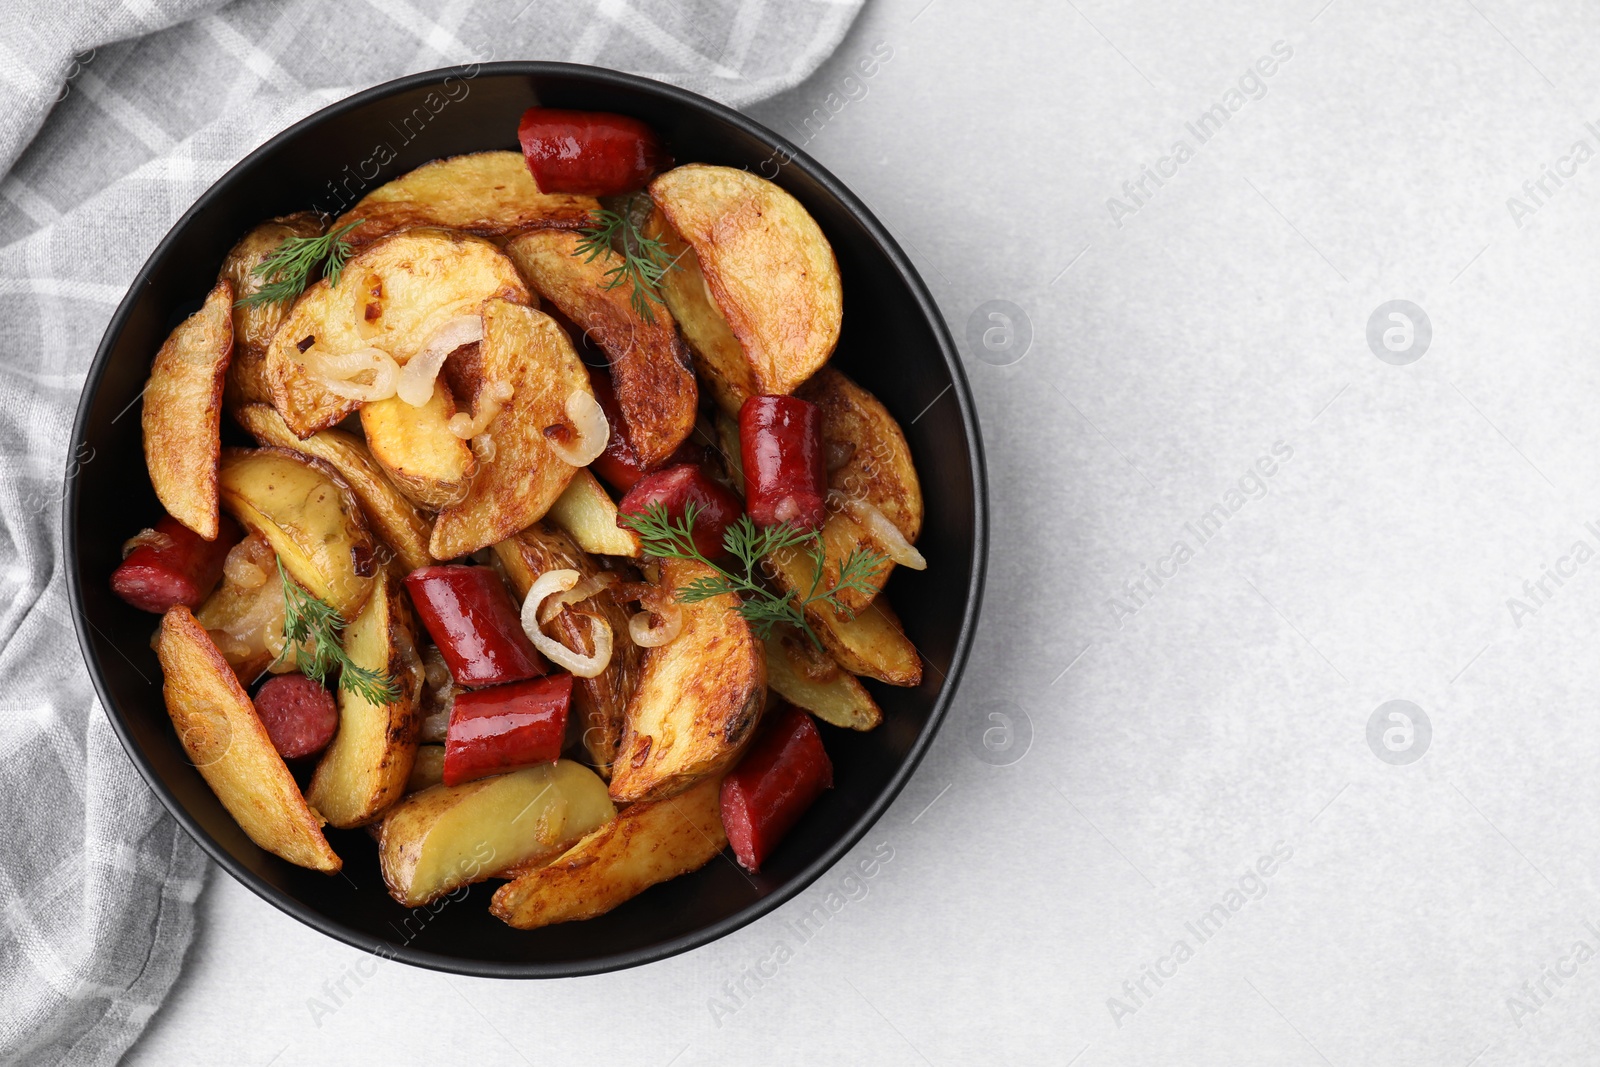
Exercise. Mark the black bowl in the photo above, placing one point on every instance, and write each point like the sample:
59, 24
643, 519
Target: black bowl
894, 342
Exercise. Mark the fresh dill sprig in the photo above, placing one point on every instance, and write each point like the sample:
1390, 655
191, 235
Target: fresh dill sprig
287, 269
644, 260
666, 538
305, 618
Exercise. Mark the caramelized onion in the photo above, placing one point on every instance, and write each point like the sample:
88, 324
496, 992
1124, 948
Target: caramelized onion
415, 385
337, 374
593, 431
647, 636
582, 591
490, 399
560, 581
881, 530
146, 536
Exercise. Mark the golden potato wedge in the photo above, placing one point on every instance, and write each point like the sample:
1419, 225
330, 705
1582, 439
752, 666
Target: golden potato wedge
656, 390
427, 769
645, 845
486, 193
698, 699
445, 837
810, 679
182, 413
309, 516
244, 615
426, 462
392, 517
516, 486
366, 768
587, 513
599, 702
758, 262
254, 324
871, 644
392, 295
878, 473
224, 739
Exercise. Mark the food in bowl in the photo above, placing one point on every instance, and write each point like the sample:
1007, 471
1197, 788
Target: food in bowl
559, 530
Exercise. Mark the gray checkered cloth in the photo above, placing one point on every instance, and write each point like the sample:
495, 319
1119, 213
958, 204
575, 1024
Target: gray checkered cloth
114, 117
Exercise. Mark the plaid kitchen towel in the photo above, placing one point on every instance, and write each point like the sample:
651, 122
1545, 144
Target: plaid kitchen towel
114, 117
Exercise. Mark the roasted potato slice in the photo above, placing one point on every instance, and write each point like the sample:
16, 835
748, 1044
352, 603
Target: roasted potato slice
878, 473
182, 413
698, 698
758, 296
486, 193
254, 324
587, 513
244, 615
810, 679
649, 364
445, 837
366, 768
428, 463
309, 516
516, 486
392, 517
601, 701
871, 644
646, 844
392, 295
224, 739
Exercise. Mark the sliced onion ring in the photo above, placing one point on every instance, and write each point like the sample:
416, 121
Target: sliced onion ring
593, 430
147, 536
490, 399
881, 530
585, 589
560, 581
415, 386
647, 636
337, 374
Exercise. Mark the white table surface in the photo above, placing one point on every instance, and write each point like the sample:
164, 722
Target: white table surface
1174, 746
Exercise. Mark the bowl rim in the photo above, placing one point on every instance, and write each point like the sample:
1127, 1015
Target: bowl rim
614, 961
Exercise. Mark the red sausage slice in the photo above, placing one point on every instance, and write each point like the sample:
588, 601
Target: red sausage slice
299, 713
593, 153
675, 488
781, 776
780, 443
177, 566
504, 727
475, 623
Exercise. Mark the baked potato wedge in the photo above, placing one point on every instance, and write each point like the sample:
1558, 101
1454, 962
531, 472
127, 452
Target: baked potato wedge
446, 837
254, 324
758, 296
366, 768
698, 699
428, 463
878, 474
392, 295
656, 389
586, 512
810, 679
182, 414
309, 516
224, 739
485, 193
599, 703
513, 489
392, 517
644, 845
872, 644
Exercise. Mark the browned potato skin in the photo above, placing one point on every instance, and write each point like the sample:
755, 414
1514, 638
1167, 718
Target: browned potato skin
879, 472
514, 489
490, 194
872, 643
224, 739
698, 699
645, 845
770, 273
392, 516
366, 768
656, 390
601, 701
254, 324
391, 294
182, 415
808, 678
